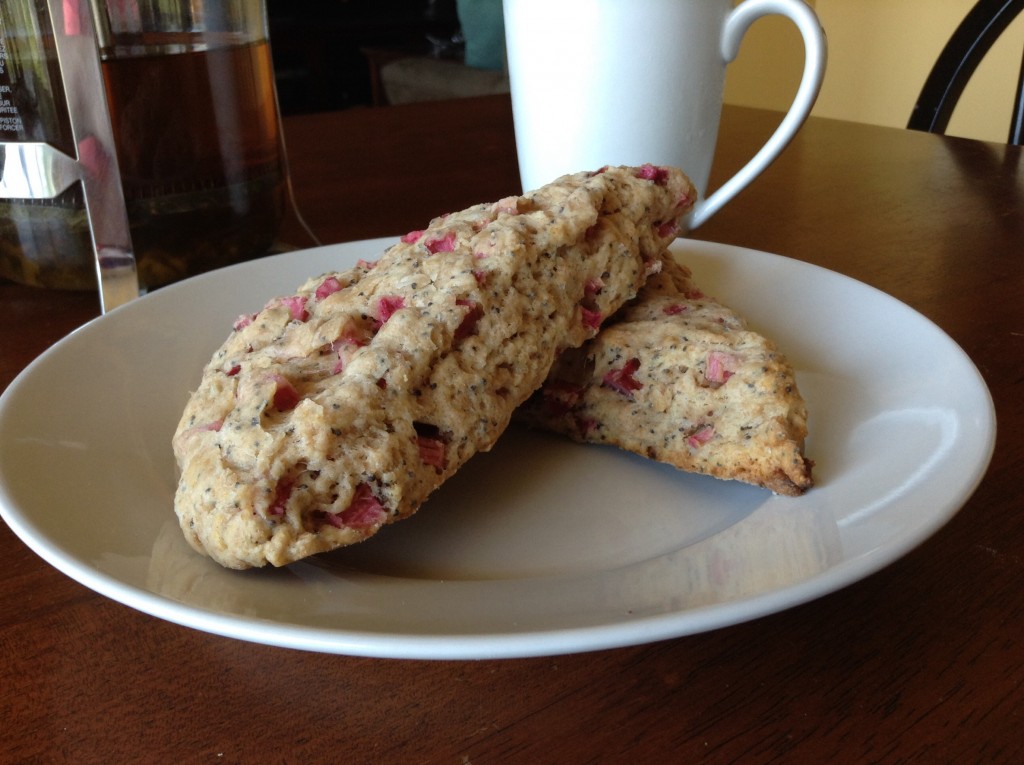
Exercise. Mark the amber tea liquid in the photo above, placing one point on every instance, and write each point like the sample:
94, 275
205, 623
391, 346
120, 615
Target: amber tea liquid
199, 147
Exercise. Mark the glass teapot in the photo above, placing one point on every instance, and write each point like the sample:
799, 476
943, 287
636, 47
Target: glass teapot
140, 142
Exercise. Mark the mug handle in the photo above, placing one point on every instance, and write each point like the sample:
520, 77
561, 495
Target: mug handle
736, 26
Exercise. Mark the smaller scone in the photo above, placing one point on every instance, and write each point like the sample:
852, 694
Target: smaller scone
677, 377
340, 408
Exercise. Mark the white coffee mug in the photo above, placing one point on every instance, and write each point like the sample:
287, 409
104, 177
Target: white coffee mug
629, 82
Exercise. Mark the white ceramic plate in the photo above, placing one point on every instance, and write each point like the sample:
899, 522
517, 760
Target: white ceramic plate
539, 547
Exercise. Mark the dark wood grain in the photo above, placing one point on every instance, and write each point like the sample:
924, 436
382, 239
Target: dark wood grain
921, 662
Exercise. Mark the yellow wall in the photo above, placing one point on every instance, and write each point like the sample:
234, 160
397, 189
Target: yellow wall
880, 52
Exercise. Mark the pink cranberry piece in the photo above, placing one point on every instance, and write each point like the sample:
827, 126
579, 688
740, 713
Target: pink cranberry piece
718, 367
621, 379
669, 229
328, 286
694, 294
591, 318
281, 495
445, 243
364, 511
432, 451
286, 397
653, 173
387, 306
296, 305
350, 339
243, 321
701, 436
473, 315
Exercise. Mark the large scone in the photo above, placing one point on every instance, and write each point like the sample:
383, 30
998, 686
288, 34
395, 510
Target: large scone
678, 377
339, 409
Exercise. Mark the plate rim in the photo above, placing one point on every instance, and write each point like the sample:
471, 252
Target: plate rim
486, 644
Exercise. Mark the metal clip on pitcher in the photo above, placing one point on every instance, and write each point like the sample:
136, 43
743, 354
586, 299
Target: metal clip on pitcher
59, 178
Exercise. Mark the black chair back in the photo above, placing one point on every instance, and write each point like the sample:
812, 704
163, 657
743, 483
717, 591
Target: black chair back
981, 27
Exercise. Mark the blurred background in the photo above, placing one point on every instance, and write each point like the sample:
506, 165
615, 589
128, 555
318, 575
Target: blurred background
880, 52
337, 54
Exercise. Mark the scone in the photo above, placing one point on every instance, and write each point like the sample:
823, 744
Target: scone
338, 409
677, 377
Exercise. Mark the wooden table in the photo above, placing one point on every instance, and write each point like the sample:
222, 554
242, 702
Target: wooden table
921, 662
